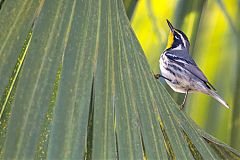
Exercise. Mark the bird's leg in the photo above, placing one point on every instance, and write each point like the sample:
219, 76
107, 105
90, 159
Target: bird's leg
157, 76
184, 101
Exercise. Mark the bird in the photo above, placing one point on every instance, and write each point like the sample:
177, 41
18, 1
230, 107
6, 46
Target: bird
179, 69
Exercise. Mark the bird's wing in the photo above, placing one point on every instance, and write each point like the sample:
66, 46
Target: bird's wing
186, 61
181, 55
198, 73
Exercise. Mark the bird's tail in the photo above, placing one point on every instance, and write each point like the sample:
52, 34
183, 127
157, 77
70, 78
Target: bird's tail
217, 97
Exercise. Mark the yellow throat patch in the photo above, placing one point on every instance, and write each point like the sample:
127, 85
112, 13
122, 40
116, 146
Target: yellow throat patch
170, 40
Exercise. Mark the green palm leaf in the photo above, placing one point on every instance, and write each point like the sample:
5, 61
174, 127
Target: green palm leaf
82, 88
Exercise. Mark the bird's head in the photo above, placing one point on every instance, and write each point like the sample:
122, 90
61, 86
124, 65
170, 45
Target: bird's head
177, 39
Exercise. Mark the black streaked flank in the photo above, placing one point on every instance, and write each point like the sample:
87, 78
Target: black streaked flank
169, 70
176, 68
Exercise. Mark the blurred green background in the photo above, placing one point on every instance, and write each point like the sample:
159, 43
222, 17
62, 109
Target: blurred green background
213, 31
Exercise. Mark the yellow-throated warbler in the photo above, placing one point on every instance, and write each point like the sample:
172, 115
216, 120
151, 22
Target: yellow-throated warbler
179, 69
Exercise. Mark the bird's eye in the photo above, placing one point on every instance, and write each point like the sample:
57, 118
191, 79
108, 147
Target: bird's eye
176, 37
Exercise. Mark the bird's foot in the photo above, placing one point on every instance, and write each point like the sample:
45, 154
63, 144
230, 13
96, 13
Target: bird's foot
182, 106
157, 76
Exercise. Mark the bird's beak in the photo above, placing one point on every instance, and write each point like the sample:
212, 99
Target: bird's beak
170, 26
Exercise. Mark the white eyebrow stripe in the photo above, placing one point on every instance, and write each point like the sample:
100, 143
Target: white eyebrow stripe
184, 42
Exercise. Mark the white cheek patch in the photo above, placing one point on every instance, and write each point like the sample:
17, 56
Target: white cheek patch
179, 47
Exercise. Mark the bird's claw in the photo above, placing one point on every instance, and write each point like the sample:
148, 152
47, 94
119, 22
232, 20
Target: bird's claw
157, 76
181, 107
